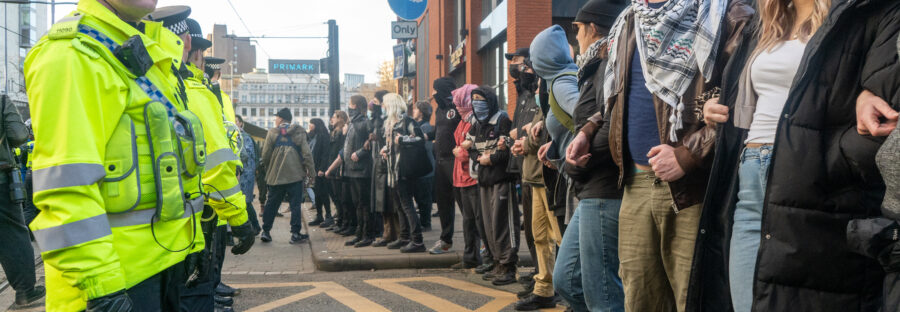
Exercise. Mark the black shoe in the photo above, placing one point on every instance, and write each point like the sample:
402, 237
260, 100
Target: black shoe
435, 215
222, 308
380, 243
265, 237
297, 238
363, 243
315, 222
327, 223
413, 247
426, 228
225, 301
492, 274
278, 214
28, 297
348, 232
227, 291
535, 302
525, 292
397, 244
352, 241
527, 278
463, 266
507, 276
484, 268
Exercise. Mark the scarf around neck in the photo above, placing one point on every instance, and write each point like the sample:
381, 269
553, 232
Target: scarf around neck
675, 42
589, 55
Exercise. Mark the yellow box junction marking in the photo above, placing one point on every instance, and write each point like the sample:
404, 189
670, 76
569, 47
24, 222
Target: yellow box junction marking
340, 293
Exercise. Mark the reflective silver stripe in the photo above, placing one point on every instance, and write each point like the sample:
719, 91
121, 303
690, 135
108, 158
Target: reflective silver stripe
223, 194
67, 175
145, 216
71, 234
218, 157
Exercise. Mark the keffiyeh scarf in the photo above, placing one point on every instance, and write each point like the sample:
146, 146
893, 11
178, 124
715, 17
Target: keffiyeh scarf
588, 55
675, 42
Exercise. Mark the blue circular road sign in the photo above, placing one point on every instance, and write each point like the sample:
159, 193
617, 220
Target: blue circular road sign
408, 9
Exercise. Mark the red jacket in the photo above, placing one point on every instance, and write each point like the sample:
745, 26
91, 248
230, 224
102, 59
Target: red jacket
461, 177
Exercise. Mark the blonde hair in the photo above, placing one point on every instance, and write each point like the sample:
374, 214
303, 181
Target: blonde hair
343, 119
777, 19
394, 108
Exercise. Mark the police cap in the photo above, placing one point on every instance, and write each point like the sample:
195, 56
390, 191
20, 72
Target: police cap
212, 65
173, 17
197, 40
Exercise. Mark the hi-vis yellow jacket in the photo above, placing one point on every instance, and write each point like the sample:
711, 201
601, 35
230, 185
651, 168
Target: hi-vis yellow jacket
220, 178
111, 160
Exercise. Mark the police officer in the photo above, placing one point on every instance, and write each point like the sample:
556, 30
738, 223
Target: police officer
224, 199
17, 258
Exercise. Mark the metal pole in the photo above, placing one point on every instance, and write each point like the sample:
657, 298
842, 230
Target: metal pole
334, 82
52, 11
5, 50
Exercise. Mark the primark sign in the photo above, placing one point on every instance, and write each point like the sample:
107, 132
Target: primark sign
277, 66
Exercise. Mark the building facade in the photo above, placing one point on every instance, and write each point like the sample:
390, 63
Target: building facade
353, 81
467, 40
23, 25
239, 54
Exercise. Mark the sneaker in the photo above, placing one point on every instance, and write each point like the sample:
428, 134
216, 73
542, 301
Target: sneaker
440, 247
350, 231
28, 297
265, 237
506, 277
222, 308
463, 266
413, 247
327, 223
352, 241
297, 238
225, 301
397, 244
380, 243
227, 291
363, 243
535, 302
315, 222
484, 268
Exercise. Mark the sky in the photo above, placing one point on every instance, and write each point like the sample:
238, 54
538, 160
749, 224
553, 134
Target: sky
364, 28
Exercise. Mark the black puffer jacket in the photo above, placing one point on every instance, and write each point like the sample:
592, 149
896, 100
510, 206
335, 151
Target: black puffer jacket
822, 174
354, 142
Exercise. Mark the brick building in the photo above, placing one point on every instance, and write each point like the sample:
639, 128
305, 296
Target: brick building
467, 40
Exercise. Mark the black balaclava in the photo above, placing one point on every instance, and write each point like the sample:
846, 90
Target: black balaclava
490, 99
443, 88
524, 80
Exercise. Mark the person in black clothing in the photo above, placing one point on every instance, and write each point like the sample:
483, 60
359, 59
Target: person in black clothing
424, 188
490, 152
382, 195
320, 144
342, 219
445, 122
18, 259
358, 170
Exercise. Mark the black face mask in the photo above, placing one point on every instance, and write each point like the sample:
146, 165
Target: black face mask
528, 81
353, 114
515, 71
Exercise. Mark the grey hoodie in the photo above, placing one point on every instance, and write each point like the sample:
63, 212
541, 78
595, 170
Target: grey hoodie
551, 57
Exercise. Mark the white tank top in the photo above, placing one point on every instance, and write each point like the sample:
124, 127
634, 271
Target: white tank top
772, 74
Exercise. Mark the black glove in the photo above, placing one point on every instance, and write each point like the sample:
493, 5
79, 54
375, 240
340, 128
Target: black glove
197, 268
114, 302
245, 235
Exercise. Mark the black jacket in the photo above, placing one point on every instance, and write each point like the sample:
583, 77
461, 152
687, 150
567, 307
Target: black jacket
411, 134
354, 142
822, 174
486, 136
321, 151
445, 122
337, 143
600, 176
13, 129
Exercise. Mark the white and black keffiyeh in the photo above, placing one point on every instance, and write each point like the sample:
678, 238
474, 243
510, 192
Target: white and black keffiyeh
589, 55
675, 42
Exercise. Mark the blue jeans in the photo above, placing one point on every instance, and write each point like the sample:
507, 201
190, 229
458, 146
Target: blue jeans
592, 233
745, 234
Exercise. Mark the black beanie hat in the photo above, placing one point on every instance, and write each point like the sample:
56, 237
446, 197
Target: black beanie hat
285, 113
603, 13
443, 87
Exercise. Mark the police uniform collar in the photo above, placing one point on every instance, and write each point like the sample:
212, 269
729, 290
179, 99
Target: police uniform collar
119, 30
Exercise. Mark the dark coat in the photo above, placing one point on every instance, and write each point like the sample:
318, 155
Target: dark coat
822, 174
356, 138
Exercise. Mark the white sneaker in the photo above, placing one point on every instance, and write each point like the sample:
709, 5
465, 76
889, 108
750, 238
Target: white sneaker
440, 247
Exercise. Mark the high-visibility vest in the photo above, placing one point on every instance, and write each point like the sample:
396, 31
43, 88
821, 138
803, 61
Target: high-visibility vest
117, 159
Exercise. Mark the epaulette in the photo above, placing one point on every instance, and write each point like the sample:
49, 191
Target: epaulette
66, 28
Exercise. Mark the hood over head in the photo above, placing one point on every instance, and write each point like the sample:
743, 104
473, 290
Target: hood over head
490, 100
462, 98
550, 54
443, 87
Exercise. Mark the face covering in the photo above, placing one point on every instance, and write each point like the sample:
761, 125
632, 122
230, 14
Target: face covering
515, 71
353, 113
481, 110
529, 81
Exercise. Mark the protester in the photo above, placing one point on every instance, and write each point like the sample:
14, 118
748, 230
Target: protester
662, 150
446, 118
290, 166
382, 194
423, 188
358, 171
498, 204
465, 187
802, 219
320, 144
587, 267
247, 176
338, 124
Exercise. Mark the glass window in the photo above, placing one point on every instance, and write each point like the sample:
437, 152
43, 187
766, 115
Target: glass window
244, 111
322, 111
253, 112
271, 111
314, 113
296, 112
305, 112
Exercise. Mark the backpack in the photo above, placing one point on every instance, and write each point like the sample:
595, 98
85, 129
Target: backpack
564, 118
284, 140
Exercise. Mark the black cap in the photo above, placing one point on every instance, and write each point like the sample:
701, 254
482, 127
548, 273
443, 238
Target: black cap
173, 17
212, 65
197, 40
285, 113
603, 13
519, 52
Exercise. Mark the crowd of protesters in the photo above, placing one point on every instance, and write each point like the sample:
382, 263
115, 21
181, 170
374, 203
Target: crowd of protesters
640, 161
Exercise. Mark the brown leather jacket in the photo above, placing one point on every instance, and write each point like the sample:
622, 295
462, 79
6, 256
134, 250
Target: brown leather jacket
694, 149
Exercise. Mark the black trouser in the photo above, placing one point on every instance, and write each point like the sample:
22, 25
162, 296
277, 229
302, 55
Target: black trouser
322, 190
526, 223
251, 215
410, 228
165, 291
365, 217
467, 198
29, 210
219, 239
501, 222
276, 195
17, 256
443, 194
262, 187
200, 297
345, 198
422, 195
